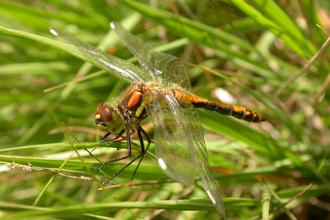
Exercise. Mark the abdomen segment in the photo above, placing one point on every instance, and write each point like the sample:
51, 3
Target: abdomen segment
226, 109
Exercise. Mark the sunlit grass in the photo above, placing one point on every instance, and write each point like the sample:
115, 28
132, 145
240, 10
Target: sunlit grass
261, 168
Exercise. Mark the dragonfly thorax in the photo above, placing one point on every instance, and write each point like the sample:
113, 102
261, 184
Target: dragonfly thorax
108, 118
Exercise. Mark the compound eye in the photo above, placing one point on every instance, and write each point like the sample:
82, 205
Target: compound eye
103, 114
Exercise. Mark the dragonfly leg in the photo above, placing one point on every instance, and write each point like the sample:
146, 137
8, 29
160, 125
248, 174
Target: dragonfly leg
129, 150
144, 151
90, 152
103, 139
105, 136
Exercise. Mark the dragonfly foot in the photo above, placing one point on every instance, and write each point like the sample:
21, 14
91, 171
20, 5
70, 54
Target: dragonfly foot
106, 182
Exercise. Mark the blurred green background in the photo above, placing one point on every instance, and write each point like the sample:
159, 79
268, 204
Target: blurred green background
260, 52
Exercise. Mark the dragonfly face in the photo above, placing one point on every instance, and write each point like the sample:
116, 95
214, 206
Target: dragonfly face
108, 118
160, 92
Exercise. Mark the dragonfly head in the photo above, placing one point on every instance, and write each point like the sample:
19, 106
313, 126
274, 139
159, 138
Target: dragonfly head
107, 118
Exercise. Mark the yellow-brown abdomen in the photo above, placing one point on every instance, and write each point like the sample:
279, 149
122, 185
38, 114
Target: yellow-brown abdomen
226, 109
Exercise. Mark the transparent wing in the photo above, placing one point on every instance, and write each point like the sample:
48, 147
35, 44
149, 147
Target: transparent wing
163, 68
179, 137
171, 149
103, 60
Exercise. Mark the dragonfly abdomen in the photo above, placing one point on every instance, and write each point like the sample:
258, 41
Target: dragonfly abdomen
225, 109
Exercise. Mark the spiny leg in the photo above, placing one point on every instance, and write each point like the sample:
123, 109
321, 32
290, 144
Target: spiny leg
103, 139
107, 134
129, 151
90, 152
141, 132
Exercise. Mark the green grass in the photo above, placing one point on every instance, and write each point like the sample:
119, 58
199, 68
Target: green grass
253, 51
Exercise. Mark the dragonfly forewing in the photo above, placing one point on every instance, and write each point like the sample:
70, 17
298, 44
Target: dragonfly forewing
103, 60
162, 67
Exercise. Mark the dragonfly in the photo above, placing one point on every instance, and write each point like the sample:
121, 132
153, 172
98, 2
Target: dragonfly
160, 92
